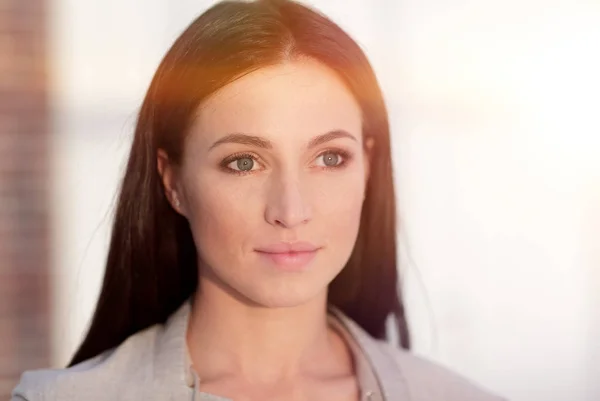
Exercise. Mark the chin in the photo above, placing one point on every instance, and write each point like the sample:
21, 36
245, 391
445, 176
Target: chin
274, 289
285, 296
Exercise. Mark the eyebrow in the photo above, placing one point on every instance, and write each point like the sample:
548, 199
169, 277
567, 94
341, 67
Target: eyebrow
256, 141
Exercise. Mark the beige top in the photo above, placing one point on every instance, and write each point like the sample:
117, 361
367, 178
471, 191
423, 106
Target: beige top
367, 381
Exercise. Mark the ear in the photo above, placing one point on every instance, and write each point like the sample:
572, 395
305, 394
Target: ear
167, 172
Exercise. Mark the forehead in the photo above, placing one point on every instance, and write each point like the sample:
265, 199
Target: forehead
298, 99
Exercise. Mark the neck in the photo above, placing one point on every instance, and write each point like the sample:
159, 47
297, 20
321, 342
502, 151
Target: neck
228, 337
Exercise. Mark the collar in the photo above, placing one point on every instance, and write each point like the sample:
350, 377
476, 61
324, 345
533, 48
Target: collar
381, 358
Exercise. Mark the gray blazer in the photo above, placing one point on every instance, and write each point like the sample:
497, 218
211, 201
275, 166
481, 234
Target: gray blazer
152, 365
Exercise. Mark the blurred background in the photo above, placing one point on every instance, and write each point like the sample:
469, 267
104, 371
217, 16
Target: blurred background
495, 113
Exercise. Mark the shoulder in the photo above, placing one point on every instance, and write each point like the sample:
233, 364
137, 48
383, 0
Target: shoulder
404, 375
97, 379
426, 380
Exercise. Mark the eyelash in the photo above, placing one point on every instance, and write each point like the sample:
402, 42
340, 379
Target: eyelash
346, 157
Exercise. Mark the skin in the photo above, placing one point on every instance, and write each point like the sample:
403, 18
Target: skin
262, 332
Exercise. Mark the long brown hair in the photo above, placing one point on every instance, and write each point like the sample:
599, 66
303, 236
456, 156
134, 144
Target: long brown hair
152, 262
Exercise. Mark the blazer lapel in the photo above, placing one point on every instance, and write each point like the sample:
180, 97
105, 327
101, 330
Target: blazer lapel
392, 382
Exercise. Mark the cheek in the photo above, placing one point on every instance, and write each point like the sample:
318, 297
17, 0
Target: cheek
339, 194
339, 197
338, 206
222, 219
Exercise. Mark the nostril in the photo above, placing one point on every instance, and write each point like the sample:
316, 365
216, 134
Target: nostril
280, 223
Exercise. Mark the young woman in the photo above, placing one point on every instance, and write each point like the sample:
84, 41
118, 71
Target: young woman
253, 250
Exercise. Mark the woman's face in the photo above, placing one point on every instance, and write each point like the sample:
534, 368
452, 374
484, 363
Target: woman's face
272, 182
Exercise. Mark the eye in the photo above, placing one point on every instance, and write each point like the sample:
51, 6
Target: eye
331, 159
242, 163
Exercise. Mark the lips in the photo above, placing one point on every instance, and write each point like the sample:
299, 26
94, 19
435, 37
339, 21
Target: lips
289, 256
288, 247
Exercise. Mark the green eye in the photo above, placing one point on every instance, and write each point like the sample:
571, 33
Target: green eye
245, 164
331, 159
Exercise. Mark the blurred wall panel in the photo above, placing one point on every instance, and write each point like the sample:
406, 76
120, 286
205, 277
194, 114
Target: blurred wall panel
24, 186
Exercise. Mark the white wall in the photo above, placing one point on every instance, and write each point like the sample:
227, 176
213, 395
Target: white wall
499, 174
494, 109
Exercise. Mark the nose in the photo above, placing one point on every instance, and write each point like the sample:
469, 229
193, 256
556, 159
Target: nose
287, 204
